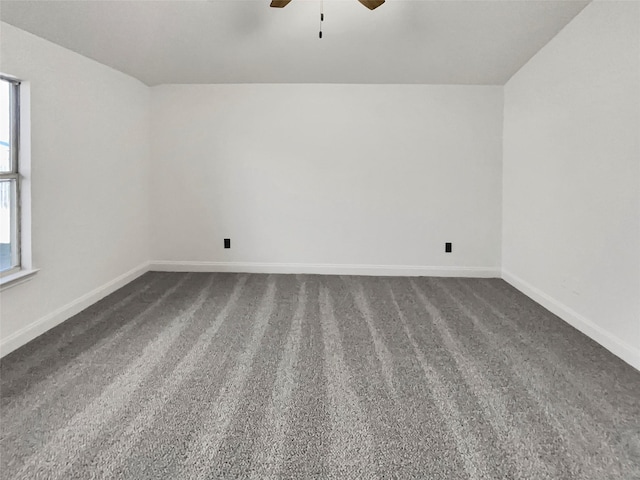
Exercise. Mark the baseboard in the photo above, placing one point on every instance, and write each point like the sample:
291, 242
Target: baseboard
326, 269
626, 352
40, 326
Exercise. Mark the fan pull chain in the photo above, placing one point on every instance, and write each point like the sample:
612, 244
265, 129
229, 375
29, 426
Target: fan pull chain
321, 16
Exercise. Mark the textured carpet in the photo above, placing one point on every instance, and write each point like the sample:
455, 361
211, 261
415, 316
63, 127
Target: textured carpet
193, 376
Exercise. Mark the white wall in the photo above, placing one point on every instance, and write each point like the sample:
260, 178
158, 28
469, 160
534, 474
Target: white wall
321, 175
571, 224
89, 176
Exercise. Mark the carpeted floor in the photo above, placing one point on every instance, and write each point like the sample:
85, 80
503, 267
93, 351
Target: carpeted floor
193, 376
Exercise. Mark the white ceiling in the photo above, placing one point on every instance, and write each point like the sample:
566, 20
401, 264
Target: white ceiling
245, 41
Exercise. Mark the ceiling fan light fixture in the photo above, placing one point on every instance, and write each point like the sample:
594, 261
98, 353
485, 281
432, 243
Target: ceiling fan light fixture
370, 4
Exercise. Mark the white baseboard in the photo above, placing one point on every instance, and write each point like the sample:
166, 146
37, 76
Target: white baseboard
625, 351
37, 328
326, 269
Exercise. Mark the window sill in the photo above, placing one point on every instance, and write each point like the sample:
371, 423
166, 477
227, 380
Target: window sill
16, 278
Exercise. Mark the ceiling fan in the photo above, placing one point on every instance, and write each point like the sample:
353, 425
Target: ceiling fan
370, 4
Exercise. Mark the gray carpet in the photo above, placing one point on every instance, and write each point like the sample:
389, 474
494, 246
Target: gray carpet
193, 376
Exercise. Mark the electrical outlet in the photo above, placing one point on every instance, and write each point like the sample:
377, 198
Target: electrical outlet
447, 247
227, 243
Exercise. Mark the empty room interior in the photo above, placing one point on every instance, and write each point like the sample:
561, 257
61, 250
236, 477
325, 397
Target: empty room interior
342, 239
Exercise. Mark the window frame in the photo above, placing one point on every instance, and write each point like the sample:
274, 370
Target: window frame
14, 173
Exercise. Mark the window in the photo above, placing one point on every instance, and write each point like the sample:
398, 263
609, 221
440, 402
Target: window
9, 176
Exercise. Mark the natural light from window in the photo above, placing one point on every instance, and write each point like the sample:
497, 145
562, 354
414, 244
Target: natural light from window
9, 180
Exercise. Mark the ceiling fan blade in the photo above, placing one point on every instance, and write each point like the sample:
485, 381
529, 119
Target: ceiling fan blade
279, 3
371, 4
